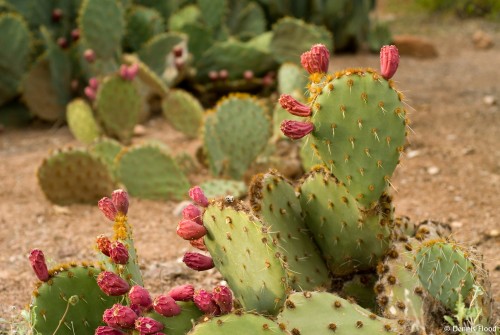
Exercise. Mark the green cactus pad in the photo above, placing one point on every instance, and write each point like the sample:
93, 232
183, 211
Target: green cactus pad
15, 40
215, 188
237, 323
186, 15
292, 79
143, 23
183, 111
274, 201
200, 38
293, 36
321, 313
69, 303
118, 106
148, 171
446, 271
102, 27
74, 176
107, 150
81, 121
39, 94
248, 22
180, 324
212, 12
360, 288
351, 240
236, 134
243, 252
359, 130
308, 156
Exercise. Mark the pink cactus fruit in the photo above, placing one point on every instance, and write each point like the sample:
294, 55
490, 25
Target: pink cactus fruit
89, 55
37, 261
199, 244
192, 212
213, 75
123, 72
204, 301
296, 129
223, 297
90, 93
107, 208
103, 244
112, 284
248, 75
118, 253
389, 61
166, 306
198, 196
120, 200
120, 316
139, 296
132, 71
190, 230
293, 106
75, 34
109, 318
106, 330
198, 261
223, 74
316, 60
94, 83
147, 325
182, 292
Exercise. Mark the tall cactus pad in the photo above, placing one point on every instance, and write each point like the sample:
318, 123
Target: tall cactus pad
183, 111
15, 40
180, 324
148, 171
243, 252
81, 121
446, 271
74, 176
351, 240
102, 26
241, 129
241, 324
360, 131
274, 201
321, 313
69, 303
118, 106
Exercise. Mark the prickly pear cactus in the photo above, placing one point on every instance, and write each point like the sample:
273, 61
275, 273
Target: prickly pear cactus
70, 302
238, 323
243, 251
274, 201
183, 111
81, 121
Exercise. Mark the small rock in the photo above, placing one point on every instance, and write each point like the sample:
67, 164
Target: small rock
482, 40
493, 233
139, 130
468, 151
180, 207
433, 170
61, 210
489, 100
415, 46
456, 224
413, 153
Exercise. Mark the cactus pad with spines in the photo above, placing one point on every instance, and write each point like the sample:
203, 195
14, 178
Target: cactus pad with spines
215, 188
322, 313
183, 111
237, 323
74, 176
81, 121
69, 303
180, 324
244, 253
360, 130
350, 240
148, 171
274, 201
118, 106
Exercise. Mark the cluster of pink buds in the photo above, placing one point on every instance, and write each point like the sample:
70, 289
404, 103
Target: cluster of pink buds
217, 302
221, 75
91, 90
118, 204
117, 251
179, 57
129, 72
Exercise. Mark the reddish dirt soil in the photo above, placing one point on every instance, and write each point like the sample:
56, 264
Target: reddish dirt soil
451, 171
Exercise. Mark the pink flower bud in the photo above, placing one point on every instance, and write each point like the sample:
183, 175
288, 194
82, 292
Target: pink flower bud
248, 75
132, 71
293, 106
107, 208
57, 14
296, 129
120, 200
178, 51
103, 244
190, 230
223, 298
198, 243
123, 72
316, 60
89, 55
182, 292
203, 300
118, 253
166, 306
139, 296
198, 261
94, 83
37, 261
75, 34
112, 284
119, 316
213, 75
90, 93
192, 212
389, 61
105, 330
223, 74
198, 196
147, 325
62, 42
109, 318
